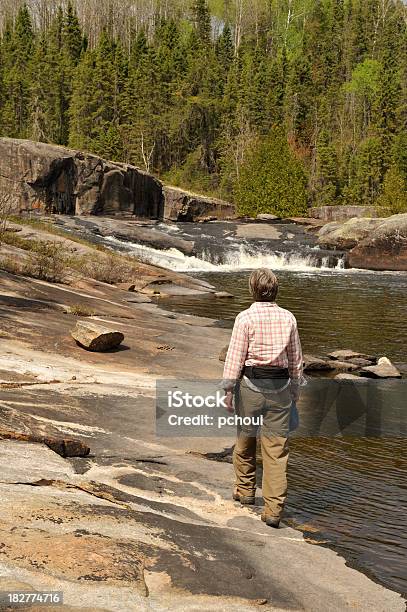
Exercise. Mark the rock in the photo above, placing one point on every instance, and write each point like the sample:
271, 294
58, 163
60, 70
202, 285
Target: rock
341, 213
343, 366
347, 376
223, 353
267, 217
346, 235
345, 355
139, 299
131, 232
52, 179
361, 363
312, 363
184, 206
327, 228
223, 294
66, 447
95, 337
385, 248
383, 369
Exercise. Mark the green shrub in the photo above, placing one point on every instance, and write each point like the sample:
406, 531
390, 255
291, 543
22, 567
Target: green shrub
271, 180
394, 195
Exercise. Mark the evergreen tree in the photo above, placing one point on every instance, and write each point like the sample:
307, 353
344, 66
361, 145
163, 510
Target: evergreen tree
271, 180
17, 52
202, 20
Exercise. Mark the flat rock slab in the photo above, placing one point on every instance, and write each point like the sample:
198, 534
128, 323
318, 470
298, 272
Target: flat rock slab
96, 337
345, 355
29, 463
259, 231
348, 376
312, 363
343, 366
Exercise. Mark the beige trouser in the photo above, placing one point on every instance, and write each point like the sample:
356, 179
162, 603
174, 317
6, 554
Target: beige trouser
274, 447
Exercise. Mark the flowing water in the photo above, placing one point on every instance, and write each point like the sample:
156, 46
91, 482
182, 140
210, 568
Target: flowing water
350, 493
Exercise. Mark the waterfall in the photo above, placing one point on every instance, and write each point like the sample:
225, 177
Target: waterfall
241, 257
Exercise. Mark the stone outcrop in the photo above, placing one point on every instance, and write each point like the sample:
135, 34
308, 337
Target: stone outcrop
53, 179
313, 364
95, 337
66, 447
180, 205
385, 248
346, 235
383, 369
349, 355
341, 213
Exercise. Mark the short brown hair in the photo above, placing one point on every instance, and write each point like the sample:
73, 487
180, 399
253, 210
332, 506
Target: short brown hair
263, 284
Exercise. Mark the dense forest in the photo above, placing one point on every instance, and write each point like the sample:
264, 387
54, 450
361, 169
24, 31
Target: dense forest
274, 104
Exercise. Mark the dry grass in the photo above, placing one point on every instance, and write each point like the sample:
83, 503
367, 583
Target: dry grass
81, 310
106, 267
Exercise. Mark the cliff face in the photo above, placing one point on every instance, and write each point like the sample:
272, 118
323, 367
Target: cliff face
52, 179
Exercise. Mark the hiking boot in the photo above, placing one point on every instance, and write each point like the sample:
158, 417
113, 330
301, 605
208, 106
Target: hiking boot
245, 500
271, 521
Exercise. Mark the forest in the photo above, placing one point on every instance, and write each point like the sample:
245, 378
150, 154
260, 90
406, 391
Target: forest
276, 105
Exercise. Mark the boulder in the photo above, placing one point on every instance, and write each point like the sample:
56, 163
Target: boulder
361, 363
267, 217
348, 234
347, 376
95, 337
385, 248
328, 228
182, 205
312, 363
383, 369
345, 355
341, 212
343, 366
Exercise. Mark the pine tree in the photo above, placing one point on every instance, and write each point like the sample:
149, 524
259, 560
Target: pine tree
17, 51
202, 20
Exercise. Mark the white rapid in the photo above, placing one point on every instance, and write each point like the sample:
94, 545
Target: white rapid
235, 259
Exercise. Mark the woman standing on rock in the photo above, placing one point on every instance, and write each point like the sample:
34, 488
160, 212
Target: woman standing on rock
263, 371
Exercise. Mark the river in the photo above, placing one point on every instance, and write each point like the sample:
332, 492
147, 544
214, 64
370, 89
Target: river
347, 493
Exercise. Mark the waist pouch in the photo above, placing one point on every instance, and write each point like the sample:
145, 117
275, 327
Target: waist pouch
266, 372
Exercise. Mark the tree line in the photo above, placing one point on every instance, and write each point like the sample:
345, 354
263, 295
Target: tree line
273, 104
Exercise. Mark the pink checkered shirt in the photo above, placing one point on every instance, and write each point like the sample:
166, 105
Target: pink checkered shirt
264, 335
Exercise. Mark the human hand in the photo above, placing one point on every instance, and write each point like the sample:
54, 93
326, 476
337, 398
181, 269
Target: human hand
229, 401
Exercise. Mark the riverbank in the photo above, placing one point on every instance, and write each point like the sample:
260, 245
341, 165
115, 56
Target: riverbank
142, 522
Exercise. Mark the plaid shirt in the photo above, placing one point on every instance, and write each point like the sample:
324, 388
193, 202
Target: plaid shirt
264, 335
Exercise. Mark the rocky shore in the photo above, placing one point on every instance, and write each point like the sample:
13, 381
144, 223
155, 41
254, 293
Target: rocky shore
140, 522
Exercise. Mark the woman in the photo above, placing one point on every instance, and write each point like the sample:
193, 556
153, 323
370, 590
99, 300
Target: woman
263, 370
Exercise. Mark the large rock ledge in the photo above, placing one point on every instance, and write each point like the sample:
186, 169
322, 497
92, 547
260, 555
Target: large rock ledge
373, 244
53, 179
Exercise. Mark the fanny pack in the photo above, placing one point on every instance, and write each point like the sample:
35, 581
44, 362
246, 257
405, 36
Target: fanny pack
266, 372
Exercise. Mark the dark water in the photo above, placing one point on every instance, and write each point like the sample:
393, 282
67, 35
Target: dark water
365, 312
352, 492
